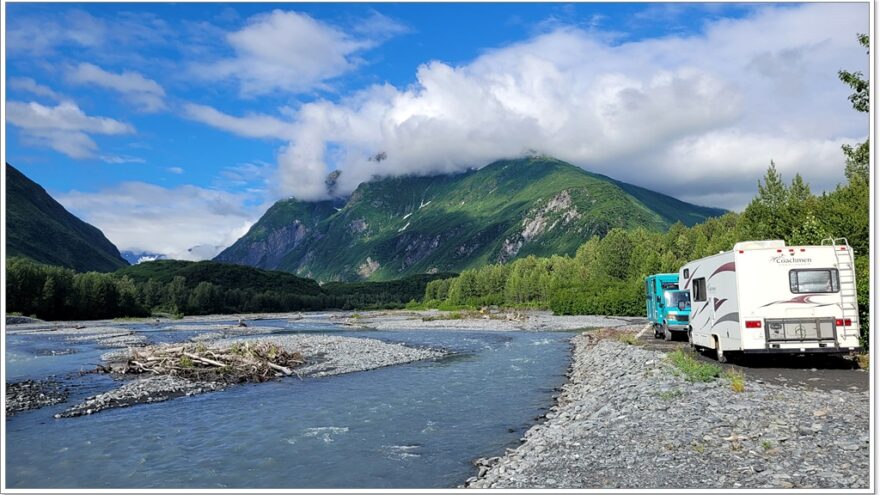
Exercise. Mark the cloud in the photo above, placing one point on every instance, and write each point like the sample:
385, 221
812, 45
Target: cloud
697, 109
43, 33
145, 93
175, 170
121, 159
185, 222
293, 52
33, 35
31, 86
64, 127
252, 125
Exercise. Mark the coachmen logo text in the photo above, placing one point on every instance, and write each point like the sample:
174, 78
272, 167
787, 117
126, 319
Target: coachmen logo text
783, 259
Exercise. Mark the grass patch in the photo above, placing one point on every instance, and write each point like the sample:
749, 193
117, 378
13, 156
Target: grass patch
669, 394
737, 380
766, 445
693, 370
864, 361
628, 339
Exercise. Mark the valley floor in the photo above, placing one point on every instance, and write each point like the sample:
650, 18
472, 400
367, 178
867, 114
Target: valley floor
626, 419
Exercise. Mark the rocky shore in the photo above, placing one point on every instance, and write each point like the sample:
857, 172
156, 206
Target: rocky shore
628, 419
32, 394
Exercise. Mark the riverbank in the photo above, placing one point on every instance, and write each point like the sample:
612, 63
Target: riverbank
493, 320
626, 419
487, 320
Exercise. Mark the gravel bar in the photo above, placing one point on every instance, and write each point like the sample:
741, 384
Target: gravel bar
325, 355
501, 321
626, 419
140, 391
334, 355
31, 394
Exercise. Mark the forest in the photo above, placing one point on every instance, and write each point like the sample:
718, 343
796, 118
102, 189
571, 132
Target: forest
176, 288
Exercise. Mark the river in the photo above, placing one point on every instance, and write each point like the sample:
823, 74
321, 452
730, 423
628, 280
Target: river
413, 425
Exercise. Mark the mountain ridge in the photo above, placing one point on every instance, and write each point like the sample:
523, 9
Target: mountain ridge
398, 226
40, 228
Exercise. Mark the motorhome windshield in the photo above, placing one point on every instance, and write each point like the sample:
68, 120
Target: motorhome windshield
678, 299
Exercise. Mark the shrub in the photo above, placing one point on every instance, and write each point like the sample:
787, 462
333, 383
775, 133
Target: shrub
693, 370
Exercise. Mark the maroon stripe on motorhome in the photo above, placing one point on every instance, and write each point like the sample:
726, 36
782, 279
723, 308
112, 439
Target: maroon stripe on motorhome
718, 303
796, 300
728, 317
704, 307
693, 273
727, 267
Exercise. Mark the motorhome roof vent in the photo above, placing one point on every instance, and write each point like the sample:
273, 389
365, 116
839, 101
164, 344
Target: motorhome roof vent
774, 244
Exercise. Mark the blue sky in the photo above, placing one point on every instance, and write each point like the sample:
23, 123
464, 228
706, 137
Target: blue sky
140, 117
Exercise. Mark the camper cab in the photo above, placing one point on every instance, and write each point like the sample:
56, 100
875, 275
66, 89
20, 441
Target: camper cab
766, 297
667, 307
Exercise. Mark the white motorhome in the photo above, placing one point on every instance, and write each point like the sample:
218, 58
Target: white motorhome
766, 297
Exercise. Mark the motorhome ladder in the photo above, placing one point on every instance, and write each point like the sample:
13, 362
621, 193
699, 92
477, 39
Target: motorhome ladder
846, 273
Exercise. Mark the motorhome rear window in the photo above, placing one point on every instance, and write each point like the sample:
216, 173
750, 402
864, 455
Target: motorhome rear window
700, 289
812, 281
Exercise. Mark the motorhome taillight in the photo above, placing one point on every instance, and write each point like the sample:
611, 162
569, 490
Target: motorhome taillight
753, 323
843, 323
838, 322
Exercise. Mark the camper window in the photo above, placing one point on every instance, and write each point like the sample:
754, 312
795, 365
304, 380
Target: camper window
812, 281
700, 289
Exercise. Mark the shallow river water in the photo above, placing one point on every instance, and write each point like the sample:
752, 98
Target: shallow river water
412, 425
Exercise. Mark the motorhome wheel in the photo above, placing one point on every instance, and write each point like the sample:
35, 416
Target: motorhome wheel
719, 352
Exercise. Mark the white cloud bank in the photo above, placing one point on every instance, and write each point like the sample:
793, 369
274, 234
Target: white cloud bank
64, 128
185, 222
699, 117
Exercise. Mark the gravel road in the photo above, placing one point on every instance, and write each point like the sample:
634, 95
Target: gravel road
810, 371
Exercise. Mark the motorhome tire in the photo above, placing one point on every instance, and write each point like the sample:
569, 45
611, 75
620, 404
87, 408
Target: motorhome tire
691, 339
719, 352
657, 333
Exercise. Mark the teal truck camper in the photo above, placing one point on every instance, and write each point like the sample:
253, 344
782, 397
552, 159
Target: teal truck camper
669, 309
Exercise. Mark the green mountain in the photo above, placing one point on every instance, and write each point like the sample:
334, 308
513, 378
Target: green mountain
401, 226
39, 228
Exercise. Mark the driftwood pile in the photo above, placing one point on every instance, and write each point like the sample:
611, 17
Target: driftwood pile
237, 363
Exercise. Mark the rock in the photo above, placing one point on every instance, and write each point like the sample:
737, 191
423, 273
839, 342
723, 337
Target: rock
610, 428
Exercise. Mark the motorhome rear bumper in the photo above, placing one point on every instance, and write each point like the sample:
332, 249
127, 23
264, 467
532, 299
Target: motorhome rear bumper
677, 328
805, 350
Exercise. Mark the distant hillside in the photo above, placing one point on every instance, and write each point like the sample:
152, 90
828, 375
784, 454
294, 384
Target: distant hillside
222, 275
39, 228
394, 227
254, 282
